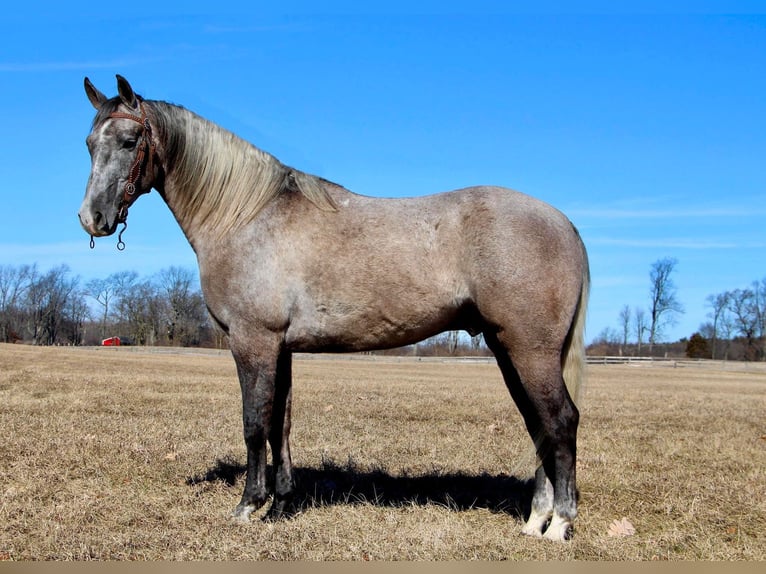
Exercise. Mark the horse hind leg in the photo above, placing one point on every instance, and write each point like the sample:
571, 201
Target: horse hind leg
555, 442
541, 511
536, 384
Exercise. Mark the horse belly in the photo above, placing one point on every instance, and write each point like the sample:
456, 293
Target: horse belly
347, 327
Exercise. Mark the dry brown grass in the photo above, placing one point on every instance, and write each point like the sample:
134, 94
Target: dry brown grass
132, 454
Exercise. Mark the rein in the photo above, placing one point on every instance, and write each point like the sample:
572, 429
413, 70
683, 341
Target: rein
144, 162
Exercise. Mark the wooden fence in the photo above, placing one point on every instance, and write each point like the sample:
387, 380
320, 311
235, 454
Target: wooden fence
678, 363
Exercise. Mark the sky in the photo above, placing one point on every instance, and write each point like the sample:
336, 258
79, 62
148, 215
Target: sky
645, 125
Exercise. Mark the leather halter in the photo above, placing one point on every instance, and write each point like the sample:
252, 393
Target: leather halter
146, 149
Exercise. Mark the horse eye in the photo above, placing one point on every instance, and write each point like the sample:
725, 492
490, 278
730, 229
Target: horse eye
129, 144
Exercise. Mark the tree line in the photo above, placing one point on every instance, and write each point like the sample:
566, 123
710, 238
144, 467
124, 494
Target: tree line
56, 308
736, 328
737, 323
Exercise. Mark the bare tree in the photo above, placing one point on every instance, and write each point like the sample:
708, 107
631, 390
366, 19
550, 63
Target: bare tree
639, 325
185, 310
476, 342
452, 339
719, 306
743, 305
103, 291
608, 336
664, 304
46, 299
726, 330
14, 282
76, 312
624, 318
51, 308
140, 309
122, 307
707, 331
759, 288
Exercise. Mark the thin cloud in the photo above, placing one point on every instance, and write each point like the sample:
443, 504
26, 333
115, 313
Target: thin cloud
676, 243
718, 212
287, 27
65, 66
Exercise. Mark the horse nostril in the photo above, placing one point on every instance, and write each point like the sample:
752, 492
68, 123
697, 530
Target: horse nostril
97, 217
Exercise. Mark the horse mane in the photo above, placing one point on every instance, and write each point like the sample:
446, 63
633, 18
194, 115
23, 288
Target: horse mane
223, 181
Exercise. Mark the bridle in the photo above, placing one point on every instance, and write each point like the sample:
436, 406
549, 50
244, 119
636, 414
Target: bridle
143, 163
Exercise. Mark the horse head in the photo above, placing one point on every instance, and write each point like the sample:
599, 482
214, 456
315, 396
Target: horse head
122, 150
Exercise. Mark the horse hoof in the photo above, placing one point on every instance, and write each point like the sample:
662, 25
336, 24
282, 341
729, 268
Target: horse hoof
242, 513
531, 531
560, 530
536, 523
280, 510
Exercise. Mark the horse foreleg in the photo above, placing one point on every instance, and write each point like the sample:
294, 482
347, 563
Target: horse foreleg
257, 379
279, 439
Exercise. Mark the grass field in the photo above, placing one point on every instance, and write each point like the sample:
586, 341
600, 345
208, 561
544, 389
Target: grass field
132, 454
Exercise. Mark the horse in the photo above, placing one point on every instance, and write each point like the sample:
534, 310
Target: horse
291, 262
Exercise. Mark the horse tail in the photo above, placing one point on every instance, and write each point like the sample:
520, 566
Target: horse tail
573, 356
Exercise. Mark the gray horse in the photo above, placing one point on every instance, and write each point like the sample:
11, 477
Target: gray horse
290, 262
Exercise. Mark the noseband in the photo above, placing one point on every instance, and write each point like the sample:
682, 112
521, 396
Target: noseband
143, 163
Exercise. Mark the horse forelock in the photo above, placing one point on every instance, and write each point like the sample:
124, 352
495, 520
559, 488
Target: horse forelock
222, 181
108, 108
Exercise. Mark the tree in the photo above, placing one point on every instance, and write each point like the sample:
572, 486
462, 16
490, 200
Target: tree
14, 282
759, 288
607, 336
121, 308
50, 307
452, 340
719, 304
697, 347
639, 324
743, 305
103, 291
76, 311
185, 308
47, 297
706, 330
624, 317
140, 307
476, 342
664, 304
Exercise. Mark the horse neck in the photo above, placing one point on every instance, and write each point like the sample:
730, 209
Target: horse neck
213, 181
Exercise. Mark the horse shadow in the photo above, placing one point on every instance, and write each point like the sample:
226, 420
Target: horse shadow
345, 484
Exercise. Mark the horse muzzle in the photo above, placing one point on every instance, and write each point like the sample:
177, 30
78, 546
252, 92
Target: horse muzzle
96, 224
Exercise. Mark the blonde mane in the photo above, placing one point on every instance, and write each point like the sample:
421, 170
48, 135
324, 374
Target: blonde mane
223, 181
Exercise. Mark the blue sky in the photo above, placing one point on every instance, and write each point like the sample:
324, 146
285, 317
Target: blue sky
647, 127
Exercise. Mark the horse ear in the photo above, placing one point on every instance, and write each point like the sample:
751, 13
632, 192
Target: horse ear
96, 97
127, 95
